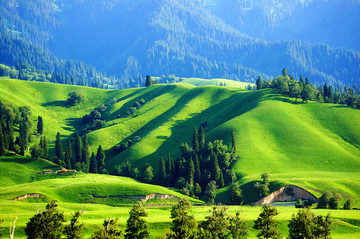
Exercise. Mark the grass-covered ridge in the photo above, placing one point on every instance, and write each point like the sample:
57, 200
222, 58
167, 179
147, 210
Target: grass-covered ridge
314, 145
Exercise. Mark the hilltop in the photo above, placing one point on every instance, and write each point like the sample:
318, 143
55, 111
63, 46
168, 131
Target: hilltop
296, 143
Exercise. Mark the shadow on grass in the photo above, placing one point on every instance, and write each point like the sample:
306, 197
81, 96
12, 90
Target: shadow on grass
59, 103
223, 111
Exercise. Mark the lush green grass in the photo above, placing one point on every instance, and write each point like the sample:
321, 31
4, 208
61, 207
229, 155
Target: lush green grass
20, 178
347, 223
314, 145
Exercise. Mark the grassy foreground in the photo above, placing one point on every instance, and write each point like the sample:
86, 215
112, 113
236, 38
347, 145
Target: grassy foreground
347, 223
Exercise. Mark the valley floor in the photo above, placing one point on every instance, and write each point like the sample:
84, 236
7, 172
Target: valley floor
346, 223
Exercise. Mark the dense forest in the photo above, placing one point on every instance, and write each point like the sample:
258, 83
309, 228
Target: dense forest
187, 38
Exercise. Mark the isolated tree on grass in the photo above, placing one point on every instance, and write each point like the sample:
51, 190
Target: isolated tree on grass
75, 97
110, 230
74, 230
136, 227
47, 224
216, 224
36, 152
238, 227
348, 204
267, 224
183, 224
40, 125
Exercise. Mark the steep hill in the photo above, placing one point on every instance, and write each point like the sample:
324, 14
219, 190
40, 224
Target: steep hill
296, 143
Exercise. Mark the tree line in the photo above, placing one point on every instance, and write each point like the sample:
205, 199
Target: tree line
49, 224
198, 172
287, 85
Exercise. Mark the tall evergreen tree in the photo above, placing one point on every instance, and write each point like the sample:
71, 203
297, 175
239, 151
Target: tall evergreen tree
40, 125
148, 81
233, 141
201, 139
301, 83
162, 172
100, 158
136, 226
190, 172
183, 224
67, 160
93, 164
284, 72
197, 173
195, 141
43, 146
214, 168
325, 91
78, 148
86, 154
267, 224
58, 147
24, 130
259, 83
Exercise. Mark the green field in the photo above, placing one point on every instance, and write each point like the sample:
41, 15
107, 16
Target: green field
346, 223
314, 145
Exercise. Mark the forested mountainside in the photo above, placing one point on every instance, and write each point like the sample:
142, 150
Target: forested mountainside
130, 39
331, 22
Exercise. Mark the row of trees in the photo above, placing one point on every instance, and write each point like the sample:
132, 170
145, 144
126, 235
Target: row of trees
81, 159
49, 224
11, 116
199, 171
287, 85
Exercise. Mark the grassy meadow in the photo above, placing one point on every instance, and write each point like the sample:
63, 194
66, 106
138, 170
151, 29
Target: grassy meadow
315, 146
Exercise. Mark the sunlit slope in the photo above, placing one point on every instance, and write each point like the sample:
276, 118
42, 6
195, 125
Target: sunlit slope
216, 82
313, 145
19, 177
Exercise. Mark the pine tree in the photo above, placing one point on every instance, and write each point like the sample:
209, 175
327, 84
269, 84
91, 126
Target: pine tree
67, 159
221, 180
100, 158
45, 148
162, 172
214, 168
78, 148
259, 83
58, 147
195, 141
40, 126
24, 130
86, 154
233, 141
325, 91
93, 164
148, 81
210, 192
267, 224
190, 172
136, 226
284, 72
70, 156
201, 139
238, 228
74, 230
183, 224
197, 173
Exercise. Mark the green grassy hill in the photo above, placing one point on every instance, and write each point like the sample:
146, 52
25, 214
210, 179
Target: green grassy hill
314, 145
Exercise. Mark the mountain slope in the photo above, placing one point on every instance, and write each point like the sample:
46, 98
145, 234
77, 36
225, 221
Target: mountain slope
296, 143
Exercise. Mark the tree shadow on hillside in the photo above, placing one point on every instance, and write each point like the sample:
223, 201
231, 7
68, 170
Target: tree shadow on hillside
147, 97
59, 103
228, 109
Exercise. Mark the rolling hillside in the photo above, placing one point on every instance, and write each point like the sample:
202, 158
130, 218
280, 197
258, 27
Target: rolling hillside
296, 143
